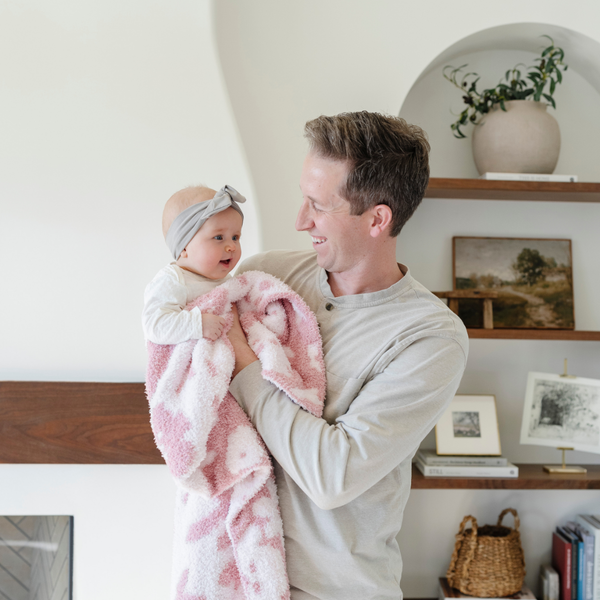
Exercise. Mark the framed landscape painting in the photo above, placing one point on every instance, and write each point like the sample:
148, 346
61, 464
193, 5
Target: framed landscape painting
533, 278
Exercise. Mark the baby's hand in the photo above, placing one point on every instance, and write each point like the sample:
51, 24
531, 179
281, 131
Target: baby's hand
212, 326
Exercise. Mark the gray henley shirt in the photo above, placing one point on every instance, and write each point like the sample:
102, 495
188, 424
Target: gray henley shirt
394, 360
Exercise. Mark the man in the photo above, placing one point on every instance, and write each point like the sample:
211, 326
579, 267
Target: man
394, 356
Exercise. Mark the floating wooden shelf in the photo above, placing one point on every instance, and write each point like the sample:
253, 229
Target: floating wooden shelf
534, 334
531, 477
483, 189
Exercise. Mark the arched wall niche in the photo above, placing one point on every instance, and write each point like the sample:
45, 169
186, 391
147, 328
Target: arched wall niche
433, 102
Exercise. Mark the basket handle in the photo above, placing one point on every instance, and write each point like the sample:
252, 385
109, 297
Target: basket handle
514, 514
464, 522
457, 546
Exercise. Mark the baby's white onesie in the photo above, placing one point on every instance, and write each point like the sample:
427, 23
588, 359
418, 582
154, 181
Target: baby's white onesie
163, 319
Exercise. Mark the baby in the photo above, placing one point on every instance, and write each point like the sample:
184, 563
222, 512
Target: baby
202, 229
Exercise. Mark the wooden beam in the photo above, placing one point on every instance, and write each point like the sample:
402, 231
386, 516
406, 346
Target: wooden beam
72, 422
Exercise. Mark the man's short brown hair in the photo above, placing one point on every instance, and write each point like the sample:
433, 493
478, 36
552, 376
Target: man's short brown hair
389, 160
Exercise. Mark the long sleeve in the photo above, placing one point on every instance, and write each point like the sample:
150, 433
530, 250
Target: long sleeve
387, 418
164, 319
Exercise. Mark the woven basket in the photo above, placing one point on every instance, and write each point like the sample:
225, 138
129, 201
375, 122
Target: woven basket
487, 562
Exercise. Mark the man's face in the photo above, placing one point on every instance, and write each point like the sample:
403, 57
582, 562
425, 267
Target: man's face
340, 240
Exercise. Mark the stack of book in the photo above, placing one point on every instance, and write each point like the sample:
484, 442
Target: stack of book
576, 558
529, 177
447, 593
432, 465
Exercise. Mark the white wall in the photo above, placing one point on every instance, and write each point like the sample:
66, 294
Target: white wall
110, 107
123, 522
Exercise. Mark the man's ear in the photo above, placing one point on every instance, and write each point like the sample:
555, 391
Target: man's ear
381, 219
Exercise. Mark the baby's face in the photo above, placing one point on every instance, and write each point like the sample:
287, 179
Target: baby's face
215, 250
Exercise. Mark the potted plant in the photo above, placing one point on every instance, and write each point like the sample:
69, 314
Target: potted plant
513, 132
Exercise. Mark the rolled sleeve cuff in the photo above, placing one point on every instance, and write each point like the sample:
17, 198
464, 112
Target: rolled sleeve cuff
196, 324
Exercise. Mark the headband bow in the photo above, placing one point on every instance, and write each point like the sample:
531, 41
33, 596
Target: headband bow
188, 222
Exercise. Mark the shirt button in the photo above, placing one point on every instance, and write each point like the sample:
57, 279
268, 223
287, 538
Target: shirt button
329, 306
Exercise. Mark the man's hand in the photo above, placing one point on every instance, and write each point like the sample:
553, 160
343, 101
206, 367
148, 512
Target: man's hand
244, 355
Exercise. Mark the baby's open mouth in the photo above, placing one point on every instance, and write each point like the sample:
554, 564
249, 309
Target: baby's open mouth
226, 262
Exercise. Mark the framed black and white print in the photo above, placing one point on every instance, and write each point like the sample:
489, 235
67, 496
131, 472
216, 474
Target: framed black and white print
562, 412
469, 427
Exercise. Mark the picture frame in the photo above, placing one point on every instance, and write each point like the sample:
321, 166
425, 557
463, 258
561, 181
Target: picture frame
532, 276
469, 427
561, 411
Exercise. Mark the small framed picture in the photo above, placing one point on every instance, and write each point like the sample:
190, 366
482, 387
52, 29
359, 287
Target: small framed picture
562, 412
533, 279
469, 427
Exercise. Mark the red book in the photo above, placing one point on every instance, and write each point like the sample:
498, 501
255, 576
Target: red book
562, 560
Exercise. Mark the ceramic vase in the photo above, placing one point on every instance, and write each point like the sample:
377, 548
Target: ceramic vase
523, 139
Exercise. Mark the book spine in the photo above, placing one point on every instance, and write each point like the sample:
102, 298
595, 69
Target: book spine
595, 532
450, 461
551, 578
561, 561
466, 471
554, 587
544, 587
580, 571
568, 573
573, 540
589, 566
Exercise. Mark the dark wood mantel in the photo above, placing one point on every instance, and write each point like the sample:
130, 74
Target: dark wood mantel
58, 422
47, 422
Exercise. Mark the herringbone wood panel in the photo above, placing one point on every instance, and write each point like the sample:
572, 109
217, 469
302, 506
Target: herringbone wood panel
35, 562
16, 535
50, 577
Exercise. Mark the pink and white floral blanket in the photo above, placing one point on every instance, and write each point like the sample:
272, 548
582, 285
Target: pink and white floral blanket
228, 541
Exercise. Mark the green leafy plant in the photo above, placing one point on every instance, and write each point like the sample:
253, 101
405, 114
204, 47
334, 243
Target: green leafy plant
516, 85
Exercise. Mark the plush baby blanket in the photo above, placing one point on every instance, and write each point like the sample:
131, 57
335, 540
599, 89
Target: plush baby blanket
228, 541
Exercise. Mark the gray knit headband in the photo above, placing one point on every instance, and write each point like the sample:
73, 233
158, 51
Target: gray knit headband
187, 223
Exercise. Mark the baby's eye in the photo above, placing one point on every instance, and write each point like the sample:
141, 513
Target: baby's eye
218, 237
236, 238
